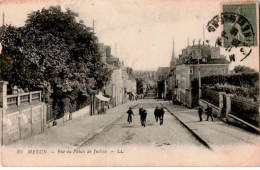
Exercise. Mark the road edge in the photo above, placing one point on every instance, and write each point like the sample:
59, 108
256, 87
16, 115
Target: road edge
98, 131
190, 130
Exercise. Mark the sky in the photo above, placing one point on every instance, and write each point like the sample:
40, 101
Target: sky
142, 30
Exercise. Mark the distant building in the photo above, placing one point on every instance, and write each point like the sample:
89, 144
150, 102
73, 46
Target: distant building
173, 59
187, 69
122, 85
115, 89
102, 50
129, 83
162, 82
145, 80
171, 75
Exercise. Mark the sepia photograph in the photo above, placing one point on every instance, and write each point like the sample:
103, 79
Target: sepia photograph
129, 83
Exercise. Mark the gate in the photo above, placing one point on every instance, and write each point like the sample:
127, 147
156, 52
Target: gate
223, 110
50, 116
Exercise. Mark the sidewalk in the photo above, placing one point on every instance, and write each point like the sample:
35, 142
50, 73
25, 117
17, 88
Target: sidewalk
74, 132
215, 133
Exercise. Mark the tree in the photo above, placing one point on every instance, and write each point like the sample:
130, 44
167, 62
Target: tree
52, 49
243, 69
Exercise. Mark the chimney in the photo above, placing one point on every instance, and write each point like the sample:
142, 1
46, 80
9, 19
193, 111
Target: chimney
108, 51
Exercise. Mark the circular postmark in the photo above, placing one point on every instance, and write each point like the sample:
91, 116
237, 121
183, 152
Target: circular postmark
236, 32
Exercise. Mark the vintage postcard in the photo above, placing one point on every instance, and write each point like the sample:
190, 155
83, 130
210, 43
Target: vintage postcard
106, 83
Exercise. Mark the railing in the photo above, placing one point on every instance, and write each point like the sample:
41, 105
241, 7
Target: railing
21, 99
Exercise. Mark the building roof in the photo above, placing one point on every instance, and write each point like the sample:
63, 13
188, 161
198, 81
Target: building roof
111, 60
163, 70
207, 55
208, 61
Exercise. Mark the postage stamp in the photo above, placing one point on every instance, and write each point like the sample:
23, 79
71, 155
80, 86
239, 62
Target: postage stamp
236, 26
239, 23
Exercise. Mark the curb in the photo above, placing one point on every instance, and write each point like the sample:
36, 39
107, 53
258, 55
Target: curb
98, 131
190, 130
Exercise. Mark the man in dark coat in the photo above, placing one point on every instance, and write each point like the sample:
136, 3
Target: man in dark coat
161, 115
200, 111
209, 113
143, 115
156, 113
140, 113
130, 113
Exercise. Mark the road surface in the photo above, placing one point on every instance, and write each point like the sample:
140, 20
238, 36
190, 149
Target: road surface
121, 133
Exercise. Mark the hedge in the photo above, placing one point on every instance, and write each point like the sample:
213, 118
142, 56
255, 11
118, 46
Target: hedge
241, 79
243, 85
210, 96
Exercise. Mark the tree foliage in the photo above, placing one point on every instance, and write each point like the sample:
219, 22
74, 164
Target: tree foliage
243, 69
52, 49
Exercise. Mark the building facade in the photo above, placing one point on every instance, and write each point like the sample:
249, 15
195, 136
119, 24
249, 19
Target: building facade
145, 80
194, 61
162, 82
122, 83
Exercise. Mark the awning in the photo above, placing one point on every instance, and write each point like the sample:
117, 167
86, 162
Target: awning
103, 98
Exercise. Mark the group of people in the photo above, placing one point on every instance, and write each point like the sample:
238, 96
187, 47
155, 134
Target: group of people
208, 111
158, 113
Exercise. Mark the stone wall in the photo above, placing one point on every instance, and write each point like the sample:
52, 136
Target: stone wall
77, 114
22, 114
23, 122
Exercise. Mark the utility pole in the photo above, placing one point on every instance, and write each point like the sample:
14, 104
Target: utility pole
258, 98
199, 79
203, 34
115, 50
3, 18
93, 26
2, 32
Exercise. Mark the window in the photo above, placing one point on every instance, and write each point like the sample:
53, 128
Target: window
191, 71
223, 70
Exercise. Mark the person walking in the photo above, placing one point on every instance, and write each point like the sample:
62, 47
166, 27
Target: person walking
156, 113
143, 114
161, 115
140, 113
130, 113
200, 111
209, 113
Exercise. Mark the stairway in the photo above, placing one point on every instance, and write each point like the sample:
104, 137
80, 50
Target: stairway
150, 94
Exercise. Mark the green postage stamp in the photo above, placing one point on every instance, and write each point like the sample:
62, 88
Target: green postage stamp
239, 24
